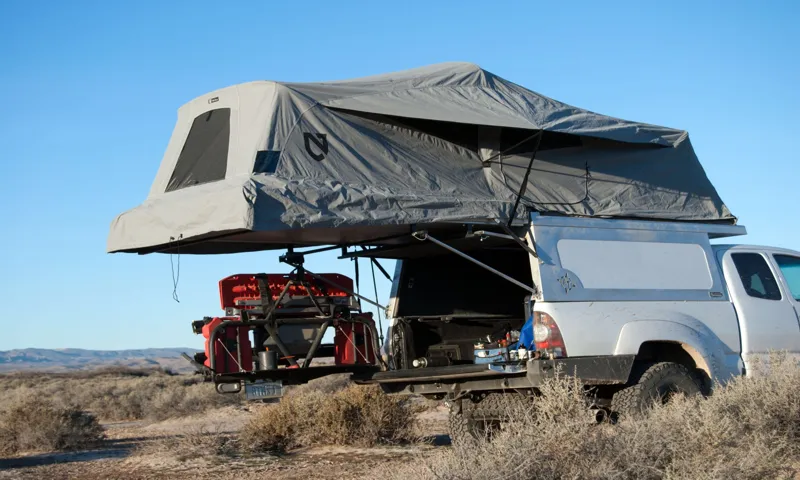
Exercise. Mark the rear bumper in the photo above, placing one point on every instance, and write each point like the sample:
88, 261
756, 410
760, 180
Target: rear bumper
298, 376
598, 370
601, 370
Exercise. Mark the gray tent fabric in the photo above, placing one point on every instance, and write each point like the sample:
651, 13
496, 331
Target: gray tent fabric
265, 164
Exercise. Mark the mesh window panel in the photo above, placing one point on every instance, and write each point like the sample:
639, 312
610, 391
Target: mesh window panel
204, 157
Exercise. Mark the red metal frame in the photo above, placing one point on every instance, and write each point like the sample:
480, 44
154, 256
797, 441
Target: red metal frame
297, 298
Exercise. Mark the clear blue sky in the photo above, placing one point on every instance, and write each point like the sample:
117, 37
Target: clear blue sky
91, 89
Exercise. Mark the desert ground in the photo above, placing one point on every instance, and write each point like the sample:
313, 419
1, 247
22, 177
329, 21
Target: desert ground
142, 450
154, 424
164, 439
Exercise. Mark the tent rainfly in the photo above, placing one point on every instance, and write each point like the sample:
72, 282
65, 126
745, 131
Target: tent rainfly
265, 165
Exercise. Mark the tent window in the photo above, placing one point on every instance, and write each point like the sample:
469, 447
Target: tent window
204, 157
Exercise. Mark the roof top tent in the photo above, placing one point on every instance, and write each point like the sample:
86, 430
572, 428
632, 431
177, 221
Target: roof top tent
270, 165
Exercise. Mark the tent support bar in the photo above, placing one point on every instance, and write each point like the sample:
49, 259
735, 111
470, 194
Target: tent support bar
423, 235
383, 270
380, 267
344, 246
319, 250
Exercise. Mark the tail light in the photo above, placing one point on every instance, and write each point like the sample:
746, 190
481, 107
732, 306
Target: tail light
547, 336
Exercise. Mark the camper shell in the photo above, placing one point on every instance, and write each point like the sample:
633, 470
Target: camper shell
582, 268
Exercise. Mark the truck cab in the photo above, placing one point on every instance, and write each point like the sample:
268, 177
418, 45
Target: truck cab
764, 286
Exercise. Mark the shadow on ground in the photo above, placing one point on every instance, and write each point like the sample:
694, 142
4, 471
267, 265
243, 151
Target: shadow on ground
108, 449
438, 440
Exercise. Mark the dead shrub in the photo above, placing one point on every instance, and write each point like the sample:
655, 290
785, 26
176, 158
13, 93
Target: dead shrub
748, 429
357, 415
363, 416
282, 426
36, 425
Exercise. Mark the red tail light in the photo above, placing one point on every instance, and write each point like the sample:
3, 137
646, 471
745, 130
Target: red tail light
547, 336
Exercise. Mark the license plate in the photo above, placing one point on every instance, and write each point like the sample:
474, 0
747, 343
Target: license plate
263, 390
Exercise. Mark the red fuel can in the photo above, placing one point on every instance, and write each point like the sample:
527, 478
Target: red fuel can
354, 343
225, 351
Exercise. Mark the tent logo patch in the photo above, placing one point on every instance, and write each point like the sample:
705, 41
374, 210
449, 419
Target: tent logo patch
320, 140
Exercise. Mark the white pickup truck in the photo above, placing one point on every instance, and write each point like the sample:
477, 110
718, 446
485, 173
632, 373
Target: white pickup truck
636, 309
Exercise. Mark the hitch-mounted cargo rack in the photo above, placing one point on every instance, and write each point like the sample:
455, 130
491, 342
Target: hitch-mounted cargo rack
288, 315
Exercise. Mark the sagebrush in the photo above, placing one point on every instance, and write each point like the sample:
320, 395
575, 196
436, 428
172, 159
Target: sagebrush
748, 429
356, 415
39, 425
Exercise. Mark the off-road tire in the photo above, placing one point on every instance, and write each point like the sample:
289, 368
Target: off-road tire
468, 424
655, 382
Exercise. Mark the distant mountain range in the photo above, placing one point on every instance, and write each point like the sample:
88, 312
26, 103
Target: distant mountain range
63, 359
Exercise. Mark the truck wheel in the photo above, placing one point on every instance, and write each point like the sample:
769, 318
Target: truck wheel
656, 383
475, 421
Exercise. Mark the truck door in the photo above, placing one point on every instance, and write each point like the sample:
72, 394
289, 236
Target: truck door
766, 311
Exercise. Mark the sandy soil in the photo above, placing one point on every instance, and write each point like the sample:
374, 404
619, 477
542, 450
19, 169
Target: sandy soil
125, 454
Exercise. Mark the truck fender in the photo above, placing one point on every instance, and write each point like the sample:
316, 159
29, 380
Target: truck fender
706, 356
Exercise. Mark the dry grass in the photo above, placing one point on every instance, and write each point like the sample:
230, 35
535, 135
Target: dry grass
118, 393
37, 425
748, 429
208, 443
356, 415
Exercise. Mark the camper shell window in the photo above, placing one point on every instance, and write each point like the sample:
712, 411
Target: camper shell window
204, 157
